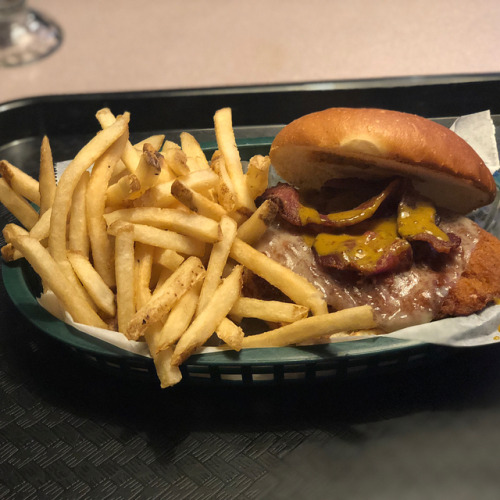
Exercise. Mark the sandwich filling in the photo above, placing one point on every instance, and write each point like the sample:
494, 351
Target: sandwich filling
391, 251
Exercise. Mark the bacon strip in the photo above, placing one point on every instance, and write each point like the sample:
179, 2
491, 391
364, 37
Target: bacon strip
417, 222
377, 250
292, 210
355, 240
287, 199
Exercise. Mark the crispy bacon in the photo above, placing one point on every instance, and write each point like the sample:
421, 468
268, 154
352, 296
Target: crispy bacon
287, 199
295, 213
438, 244
363, 241
417, 222
378, 249
396, 257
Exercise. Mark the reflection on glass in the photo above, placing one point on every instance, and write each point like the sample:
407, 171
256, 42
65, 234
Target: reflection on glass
25, 35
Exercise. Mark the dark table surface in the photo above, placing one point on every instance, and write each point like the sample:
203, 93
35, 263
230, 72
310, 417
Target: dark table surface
69, 429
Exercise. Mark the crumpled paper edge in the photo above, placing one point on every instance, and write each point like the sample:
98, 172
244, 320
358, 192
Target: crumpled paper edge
51, 303
476, 329
474, 129
466, 331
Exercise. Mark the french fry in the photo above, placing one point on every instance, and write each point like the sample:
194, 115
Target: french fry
187, 275
169, 145
17, 205
40, 230
69, 179
11, 231
46, 177
122, 190
196, 158
78, 236
168, 258
22, 183
197, 202
162, 238
130, 156
227, 146
178, 319
176, 160
101, 294
124, 271
156, 141
166, 151
100, 242
204, 325
239, 216
120, 170
186, 223
148, 170
166, 174
230, 333
296, 287
168, 374
162, 275
53, 277
66, 186
217, 261
226, 194
161, 196
9, 253
151, 335
256, 225
257, 175
201, 181
105, 117
355, 318
269, 310
143, 266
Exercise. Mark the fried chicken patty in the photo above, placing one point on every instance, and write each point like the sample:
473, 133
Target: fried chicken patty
479, 283
460, 284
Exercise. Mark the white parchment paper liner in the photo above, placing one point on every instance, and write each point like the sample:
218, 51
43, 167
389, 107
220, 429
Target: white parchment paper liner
478, 130
51, 303
474, 330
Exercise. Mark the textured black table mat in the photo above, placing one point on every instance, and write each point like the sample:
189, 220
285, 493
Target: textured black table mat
69, 430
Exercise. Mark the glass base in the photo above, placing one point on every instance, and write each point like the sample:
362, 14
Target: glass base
28, 39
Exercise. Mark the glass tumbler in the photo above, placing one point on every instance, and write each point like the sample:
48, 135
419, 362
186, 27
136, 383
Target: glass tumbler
25, 34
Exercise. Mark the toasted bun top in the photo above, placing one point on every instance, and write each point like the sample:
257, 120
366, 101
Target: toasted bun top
375, 143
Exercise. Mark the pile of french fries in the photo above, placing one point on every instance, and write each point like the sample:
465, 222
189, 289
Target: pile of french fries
151, 240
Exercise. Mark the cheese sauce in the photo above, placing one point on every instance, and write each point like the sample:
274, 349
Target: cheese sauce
363, 251
419, 219
399, 300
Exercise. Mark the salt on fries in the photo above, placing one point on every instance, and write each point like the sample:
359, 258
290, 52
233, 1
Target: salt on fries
152, 239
